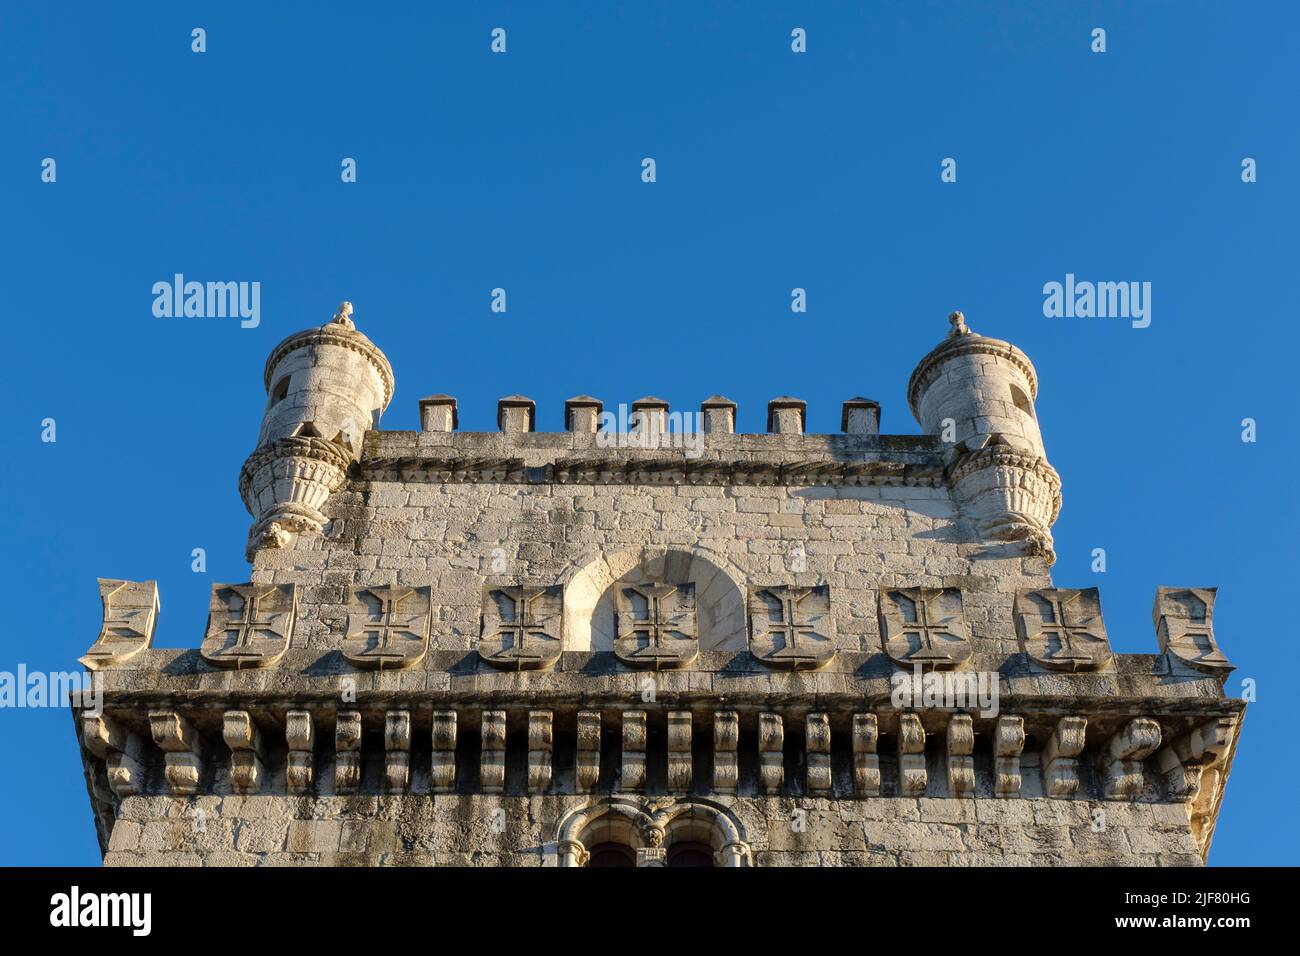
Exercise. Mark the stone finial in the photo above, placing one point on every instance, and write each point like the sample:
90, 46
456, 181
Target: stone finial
786, 415
438, 414
719, 415
958, 322
516, 413
582, 414
343, 316
861, 416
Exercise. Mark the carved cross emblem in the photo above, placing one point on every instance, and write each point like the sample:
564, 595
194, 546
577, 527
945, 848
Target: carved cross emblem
655, 625
1062, 628
925, 626
522, 627
1184, 620
791, 628
388, 627
130, 613
249, 624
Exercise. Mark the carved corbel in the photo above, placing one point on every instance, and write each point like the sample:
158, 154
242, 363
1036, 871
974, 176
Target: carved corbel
1183, 761
726, 739
679, 751
1060, 757
961, 763
540, 747
1008, 744
183, 750
771, 752
300, 735
347, 752
123, 752
911, 756
866, 762
1125, 752
817, 731
397, 750
588, 769
634, 739
492, 764
247, 754
442, 767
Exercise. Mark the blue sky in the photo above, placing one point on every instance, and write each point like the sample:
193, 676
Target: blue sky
523, 171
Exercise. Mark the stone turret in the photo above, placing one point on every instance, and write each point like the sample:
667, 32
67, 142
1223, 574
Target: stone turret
325, 388
976, 394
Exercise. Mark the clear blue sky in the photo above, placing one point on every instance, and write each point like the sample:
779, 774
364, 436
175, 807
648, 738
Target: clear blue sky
522, 171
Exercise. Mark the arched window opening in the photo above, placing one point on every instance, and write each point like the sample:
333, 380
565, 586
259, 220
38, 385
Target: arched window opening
690, 853
1021, 401
611, 854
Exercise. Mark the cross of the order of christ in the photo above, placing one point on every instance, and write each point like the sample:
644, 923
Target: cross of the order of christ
526, 628
798, 639
393, 635
668, 636
250, 626
1066, 637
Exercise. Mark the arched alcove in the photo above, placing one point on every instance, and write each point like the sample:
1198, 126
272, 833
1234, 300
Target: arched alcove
589, 605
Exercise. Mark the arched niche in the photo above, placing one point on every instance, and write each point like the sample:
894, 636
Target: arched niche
589, 595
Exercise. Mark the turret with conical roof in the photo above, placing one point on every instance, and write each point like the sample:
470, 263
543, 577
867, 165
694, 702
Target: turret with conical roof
976, 394
325, 388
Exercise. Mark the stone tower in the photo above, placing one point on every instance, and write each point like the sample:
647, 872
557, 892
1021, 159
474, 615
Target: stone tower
614, 645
